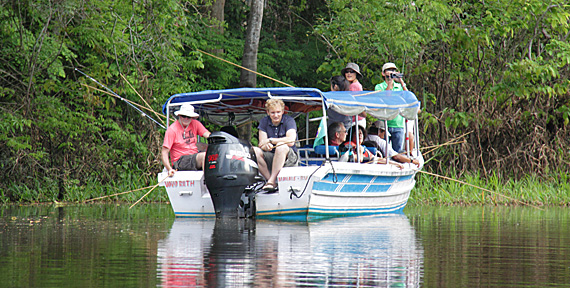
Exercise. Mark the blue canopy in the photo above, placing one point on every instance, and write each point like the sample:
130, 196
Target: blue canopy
248, 103
380, 104
242, 94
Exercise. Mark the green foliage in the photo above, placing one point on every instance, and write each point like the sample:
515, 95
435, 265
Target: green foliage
456, 118
530, 190
371, 33
498, 68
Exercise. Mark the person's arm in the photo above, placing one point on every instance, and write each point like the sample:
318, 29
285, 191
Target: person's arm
390, 83
401, 81
288, 140
290, 135
264, 142
403, 159
201, 145
383, 161
166, 160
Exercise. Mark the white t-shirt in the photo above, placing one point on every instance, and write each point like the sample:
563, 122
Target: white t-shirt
382, 144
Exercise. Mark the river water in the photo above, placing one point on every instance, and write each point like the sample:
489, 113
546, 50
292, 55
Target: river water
113, 246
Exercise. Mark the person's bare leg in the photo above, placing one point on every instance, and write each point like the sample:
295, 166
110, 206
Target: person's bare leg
278, 162
261, 162
411, 138
200, 160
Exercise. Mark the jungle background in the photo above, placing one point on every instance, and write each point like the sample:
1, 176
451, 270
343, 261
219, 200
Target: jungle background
495, 72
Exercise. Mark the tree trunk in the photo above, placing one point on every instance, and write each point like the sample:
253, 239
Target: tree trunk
248, 79
218, 14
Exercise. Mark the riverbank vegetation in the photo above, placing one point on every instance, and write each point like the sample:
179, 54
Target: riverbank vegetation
473, 189
496, 72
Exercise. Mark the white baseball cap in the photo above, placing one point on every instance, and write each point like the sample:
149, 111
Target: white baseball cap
389, 66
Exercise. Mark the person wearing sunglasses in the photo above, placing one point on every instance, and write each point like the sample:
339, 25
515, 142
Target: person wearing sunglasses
352, 73
181, 143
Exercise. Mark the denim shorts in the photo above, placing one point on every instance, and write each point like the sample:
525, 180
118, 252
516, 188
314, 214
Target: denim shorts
397, 137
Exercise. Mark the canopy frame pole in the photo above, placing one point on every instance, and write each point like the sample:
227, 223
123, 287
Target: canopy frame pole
407, 142
417, 137
327, 155
307, 128
387, 156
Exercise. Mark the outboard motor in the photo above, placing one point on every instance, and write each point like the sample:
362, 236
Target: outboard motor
230, 166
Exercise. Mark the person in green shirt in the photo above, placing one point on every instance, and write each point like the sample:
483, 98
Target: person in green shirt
394, 81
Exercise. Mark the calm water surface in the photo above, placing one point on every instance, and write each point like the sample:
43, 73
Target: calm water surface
112, 246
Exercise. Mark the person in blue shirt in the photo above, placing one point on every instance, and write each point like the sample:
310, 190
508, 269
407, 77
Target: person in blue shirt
276, 148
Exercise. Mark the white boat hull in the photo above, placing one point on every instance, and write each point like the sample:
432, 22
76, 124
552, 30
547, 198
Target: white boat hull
331, 190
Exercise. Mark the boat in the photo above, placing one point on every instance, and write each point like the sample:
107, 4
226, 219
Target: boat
322, 185
367, 251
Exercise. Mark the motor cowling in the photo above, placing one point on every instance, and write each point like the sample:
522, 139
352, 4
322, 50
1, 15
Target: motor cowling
230, 166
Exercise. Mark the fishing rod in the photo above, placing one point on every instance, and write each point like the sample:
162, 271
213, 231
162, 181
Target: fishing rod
123, 99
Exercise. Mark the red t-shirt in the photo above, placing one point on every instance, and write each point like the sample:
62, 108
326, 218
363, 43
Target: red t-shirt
182, 142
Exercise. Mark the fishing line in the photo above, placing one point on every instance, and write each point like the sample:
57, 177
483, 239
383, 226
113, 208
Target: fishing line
123, 99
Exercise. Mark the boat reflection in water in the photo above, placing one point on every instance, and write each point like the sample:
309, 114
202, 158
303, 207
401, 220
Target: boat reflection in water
377, 251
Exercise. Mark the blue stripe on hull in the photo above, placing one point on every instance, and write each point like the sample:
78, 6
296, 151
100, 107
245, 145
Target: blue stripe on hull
194, 214
319, 213
291, 211
353, 183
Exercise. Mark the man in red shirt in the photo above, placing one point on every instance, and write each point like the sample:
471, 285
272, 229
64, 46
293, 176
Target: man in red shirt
337, 133
180, 142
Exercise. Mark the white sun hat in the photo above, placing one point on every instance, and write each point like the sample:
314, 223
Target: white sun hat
186, 110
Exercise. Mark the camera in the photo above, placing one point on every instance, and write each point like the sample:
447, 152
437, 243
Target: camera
396, 75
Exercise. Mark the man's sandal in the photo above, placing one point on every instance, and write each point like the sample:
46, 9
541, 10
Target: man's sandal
270, 187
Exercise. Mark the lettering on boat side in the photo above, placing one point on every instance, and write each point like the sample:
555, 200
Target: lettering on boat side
293, 178
186, 183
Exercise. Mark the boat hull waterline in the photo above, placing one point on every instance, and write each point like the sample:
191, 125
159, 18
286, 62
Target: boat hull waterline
332, 190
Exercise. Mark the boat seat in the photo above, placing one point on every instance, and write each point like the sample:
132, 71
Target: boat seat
322, 150
315, 156
371, 149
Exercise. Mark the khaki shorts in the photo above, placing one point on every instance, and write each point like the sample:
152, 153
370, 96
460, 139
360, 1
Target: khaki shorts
291, 160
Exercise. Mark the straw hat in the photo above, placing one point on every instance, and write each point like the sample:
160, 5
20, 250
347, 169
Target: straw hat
352, 66
186, 110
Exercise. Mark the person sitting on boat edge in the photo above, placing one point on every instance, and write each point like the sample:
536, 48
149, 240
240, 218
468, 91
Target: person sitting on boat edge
180, 142
396, 125
276, 148
376, 134
336, 133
